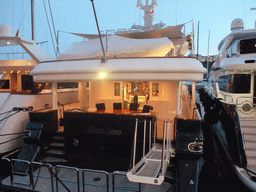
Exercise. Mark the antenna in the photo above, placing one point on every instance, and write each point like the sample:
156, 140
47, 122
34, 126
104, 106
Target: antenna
198, 39
32, 19
208, 56
103, 60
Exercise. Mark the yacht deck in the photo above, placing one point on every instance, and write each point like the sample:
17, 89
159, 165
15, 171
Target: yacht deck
74, 179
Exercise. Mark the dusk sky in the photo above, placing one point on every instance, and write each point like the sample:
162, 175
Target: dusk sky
77, 16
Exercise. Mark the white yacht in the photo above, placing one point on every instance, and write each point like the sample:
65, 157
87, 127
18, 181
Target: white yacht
232, 76
132, 109
109, 143
19, 94
232, 81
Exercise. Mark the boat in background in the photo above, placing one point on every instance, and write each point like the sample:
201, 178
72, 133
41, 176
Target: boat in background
232, 83
232, 76
18, 92
232, 79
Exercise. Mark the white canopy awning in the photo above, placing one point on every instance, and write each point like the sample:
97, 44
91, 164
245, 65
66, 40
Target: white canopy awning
128, 69
118, 47
172, 32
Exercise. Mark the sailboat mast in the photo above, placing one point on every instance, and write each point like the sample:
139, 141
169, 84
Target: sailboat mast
32, 19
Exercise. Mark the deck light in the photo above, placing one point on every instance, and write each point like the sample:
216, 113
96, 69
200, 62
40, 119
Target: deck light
102, 74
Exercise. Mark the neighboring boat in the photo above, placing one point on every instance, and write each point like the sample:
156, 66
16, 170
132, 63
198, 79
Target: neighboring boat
229, 101
232, 79
232, 76
18, 91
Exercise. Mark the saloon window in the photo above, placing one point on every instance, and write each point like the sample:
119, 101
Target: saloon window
235, 83
248, 46
4, 84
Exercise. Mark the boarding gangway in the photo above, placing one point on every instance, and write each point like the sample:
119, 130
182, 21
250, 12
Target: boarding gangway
151, 169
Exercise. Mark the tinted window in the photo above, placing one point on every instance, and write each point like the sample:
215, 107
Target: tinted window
4, 84
248, 46
235, 83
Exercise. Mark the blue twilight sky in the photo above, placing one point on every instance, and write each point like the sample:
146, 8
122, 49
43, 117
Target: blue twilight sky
77, 16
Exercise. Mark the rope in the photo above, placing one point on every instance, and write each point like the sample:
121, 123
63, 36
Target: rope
11, 139
9, 116
6, 112
14, 133
54, 30
50, 28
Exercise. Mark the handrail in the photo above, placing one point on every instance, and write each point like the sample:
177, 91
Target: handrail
123, 188
135, 143
96, 171
15, 53
57, 169
30, 174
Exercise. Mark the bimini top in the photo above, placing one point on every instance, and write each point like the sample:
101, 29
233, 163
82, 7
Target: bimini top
123, 69
118, 47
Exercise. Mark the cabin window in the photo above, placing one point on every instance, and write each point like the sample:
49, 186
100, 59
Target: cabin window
26, 82
4, 84
235, 83
155, 89
136, 92
234, 49
248, 46
67, 85
117, 89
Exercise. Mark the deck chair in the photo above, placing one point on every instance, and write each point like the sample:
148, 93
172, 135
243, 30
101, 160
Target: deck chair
100, 106
133, 107
117, 106
147, 108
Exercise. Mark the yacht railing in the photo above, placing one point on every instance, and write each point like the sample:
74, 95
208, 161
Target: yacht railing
227, 98
21, 54
196, 114
99, 182
44, 177
121, 182
66, 181
20, 178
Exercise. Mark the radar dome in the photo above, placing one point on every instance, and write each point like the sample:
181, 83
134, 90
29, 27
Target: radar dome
6, 30
237, 24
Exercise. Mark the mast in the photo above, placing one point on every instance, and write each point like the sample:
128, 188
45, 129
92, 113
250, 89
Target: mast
148, 15
32, 19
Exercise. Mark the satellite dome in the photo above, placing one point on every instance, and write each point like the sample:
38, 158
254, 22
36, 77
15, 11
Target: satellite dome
237, 24
6, 30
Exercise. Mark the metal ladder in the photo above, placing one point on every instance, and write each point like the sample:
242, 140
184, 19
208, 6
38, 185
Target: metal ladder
152, 167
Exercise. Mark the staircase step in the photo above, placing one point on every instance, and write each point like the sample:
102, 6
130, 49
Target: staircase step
248, 123
250, 137
250, 153
58, 138
250, 145
251, 161
54, 159
248, 130
56, 153
56, 145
